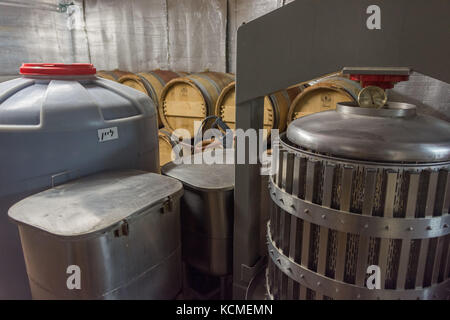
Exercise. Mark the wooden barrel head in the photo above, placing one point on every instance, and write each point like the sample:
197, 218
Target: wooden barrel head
181, 104
192, 98
323, 96
226, 108
134, 82
166, 153
276, 107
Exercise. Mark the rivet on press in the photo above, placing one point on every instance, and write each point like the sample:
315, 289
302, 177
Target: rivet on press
293, 207
429, 228
318, 283
302, 276
366, 226
324, 216
410, 229
306, 211
289, 269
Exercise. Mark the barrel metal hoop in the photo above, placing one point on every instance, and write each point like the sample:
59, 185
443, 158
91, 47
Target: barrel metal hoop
161, 81
340, 290
151, 91
210, 81
209, 100
371, 226
275, 112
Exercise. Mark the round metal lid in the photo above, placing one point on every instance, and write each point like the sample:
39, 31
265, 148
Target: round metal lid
395, 133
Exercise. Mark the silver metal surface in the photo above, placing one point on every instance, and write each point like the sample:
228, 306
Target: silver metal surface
354, 214
259, 42
134, 254
206, 214
392, 134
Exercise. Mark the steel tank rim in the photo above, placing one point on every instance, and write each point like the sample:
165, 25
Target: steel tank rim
285, 143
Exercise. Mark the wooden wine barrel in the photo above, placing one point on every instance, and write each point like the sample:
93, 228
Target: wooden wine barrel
323, 95
276, 107
151, 83
191, 98
113, 75
166, 147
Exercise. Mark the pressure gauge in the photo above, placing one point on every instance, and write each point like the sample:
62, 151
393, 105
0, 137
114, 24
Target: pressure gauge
372, 97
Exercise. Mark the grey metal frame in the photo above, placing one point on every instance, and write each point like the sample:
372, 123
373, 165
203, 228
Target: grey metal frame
309, 38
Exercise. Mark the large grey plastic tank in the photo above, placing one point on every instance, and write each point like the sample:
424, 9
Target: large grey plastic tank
60, 122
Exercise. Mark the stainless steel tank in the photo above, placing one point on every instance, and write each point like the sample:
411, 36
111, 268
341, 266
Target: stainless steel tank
360, 187
120, 228
59, 122
207, 211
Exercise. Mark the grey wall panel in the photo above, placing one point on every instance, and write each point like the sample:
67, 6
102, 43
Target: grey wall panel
197, 35
33, 31
129, 35
242, 11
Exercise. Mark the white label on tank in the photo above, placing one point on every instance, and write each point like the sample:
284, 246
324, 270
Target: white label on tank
108, 134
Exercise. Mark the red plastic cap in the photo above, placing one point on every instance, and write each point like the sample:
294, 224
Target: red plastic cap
382, 81
59, 69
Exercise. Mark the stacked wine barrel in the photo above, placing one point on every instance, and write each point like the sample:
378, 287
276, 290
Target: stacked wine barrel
276, 107
151, 83
323, 95
113, 75
191, 98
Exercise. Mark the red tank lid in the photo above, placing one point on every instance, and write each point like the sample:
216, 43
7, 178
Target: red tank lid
60, 69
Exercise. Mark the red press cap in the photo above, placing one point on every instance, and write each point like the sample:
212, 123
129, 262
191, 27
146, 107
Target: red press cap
59, 69
382, 81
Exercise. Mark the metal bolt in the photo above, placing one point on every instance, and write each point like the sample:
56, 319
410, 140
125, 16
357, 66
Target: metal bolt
366, 226
324, 216
306, 211
358, 296
337, 289
342, 221
289, 269
429, 228
318, 283
387, 227
410, 229
293, 207
279, 260
302, 276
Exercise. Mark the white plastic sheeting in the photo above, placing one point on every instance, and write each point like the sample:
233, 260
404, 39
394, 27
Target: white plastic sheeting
33, 31
140, 35
431, 96
197, 35
129, 35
